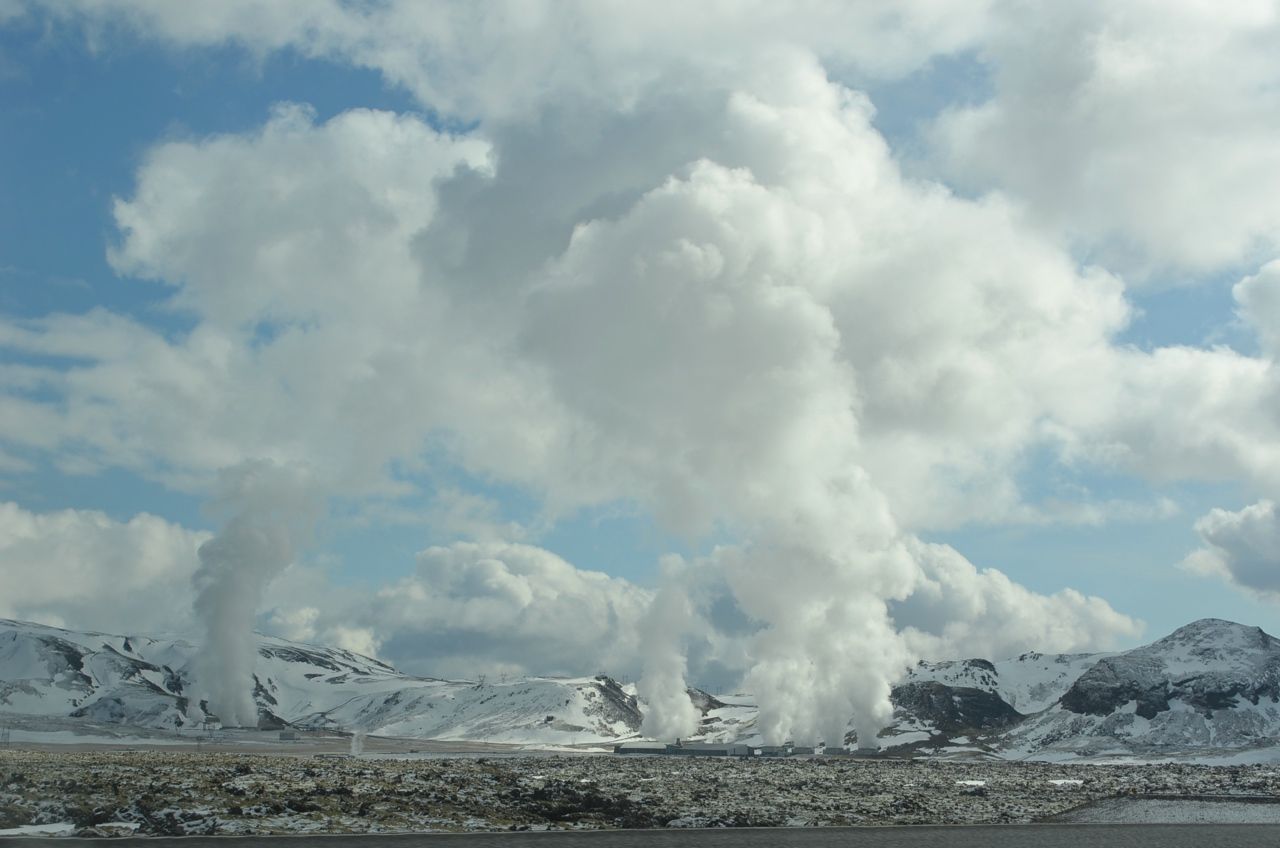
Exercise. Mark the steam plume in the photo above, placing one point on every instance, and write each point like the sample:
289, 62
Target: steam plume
271, 510
671, 715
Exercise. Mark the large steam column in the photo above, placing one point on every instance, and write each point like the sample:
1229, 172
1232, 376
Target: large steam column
271, 512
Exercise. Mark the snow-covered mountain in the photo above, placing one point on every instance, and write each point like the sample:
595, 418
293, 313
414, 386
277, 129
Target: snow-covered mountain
141, 682
1211, 685
1029, 683
1210, 688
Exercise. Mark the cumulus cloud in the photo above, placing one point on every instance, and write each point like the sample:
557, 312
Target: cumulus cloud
1258, 303
1144, 130
303, 202
882, 311
342, 291
1242, 547
338, 296
502, 607
1178, 413
950, 613
292, 246
81, 569
458, 514
306, 624
512, 59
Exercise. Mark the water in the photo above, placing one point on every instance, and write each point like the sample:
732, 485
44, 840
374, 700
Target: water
1174, 811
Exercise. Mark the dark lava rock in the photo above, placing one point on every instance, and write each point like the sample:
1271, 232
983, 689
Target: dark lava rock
704, 701
1242, 663
953, 709
1115, 681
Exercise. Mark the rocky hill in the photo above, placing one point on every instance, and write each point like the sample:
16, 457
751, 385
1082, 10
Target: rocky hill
1212, 685
1211, 689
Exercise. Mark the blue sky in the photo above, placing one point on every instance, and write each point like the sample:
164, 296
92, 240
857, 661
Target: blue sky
91, 107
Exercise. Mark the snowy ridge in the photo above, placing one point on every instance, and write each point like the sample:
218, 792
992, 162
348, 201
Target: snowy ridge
1210, 689
147, 683
1211, 685
1029, 683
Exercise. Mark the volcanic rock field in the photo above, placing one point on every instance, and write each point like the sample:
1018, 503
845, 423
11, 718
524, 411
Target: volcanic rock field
99, 793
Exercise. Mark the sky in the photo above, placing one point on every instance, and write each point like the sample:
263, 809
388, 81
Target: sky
716, 343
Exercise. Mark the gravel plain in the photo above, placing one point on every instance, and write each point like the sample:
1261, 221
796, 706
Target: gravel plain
176, 793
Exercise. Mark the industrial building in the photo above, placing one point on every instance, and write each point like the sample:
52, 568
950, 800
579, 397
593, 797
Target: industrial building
684, 749
729, 749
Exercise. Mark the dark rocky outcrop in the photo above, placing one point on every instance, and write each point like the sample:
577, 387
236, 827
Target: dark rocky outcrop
955, 709
1238, 662
615, 704
1114, 682
704, 701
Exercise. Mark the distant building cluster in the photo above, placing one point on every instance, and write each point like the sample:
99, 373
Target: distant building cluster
735, 749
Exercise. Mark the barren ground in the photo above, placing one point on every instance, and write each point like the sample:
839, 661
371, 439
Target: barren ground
164, 792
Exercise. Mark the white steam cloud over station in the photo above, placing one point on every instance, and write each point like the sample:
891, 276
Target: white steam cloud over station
671, 266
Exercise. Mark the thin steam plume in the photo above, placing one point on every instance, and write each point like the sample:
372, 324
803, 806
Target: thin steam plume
671, 714
270, 512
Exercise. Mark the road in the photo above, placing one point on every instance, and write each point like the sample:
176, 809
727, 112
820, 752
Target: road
1005, 836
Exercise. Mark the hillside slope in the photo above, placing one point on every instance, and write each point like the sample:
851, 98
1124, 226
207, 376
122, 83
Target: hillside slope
1211, 688
142, 682
1211, 685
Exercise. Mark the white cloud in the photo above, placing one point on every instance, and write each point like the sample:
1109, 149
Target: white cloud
511, 59
295, 623
1258, 303
302, 203
467, 516
1241, 547
897, 324
893, 321
83, 570
1177, 413
1146, 131
349, 279
475, 607
1082, 510
305, 624
292, 249
958, 610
